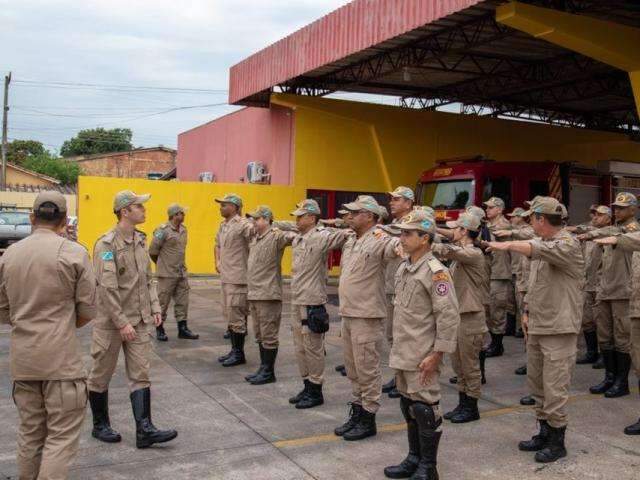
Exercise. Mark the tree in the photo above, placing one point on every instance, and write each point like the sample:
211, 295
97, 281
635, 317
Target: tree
19, 150
59, 168
98, 140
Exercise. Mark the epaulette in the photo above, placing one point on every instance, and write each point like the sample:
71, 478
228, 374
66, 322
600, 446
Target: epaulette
632, 227
107, 237
435, 265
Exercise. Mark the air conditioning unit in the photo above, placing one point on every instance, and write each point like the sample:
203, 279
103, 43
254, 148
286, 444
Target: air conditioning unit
207, 177
257, 173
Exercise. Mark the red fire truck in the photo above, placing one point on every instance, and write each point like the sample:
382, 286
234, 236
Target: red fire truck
454, 184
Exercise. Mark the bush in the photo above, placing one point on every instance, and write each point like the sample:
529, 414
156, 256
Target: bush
59, 168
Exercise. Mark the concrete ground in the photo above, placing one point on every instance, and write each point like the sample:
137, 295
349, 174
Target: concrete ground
229, 429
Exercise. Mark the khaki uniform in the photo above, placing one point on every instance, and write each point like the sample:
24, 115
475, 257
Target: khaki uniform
169, 247
232, 240
523, 268
426, 320
265, 284
363, 307
614, 291
554, 302
46, 284
469, 277
630, 242
501, 295
389, 288
126, 295
593, 260
309, 287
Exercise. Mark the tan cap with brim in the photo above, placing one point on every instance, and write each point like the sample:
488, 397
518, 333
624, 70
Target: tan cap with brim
230, 198
175, 209
602, 209
517, 212
262, 211
476, 211
56, 198
466, 220
494, 202
126, 198
404, 192
545, 205
625, 199
418, 220
308, 206
363, 202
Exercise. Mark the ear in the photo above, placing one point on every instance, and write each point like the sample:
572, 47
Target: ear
32, 218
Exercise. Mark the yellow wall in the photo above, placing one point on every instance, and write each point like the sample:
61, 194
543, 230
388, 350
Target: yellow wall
346, 145
95, 203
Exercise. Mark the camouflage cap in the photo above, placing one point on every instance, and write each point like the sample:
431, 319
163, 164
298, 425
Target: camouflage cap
262, 211
625, 199
466, 220
545, 205
127, 197
391, 229
593, 207
517, 212
363, 202
307, 206
55, 198
230, 198
404, 192
477, 211
175, 209
494, 202
343, 212
384, 213
425, 208
602, 209
418, 220
565, 212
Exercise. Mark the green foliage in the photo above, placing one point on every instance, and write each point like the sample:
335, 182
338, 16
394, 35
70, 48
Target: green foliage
19, 150
59, 168
98, 140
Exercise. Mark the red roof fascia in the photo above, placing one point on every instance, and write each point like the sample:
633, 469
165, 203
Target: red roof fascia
345, 31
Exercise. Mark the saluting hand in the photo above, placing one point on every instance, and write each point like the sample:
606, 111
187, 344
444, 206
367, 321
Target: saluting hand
428, 366
128, 333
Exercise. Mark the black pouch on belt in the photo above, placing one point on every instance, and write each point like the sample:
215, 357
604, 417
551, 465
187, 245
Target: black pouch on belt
317, 319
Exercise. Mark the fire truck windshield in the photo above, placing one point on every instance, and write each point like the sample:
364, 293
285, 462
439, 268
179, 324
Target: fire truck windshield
448, 195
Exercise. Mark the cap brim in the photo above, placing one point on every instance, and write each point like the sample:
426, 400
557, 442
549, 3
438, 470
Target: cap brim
352, 207
407, 227
299, 212
343, 212
527, 213
452, 224
622, 205
141, 199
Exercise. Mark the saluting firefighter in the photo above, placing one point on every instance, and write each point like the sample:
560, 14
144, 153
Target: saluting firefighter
551, 322
470, 278
425, 327
167, 250
127, 304
231, 256
47, 291
265, 290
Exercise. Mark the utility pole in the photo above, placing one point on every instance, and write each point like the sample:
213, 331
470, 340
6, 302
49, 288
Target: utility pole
5, 112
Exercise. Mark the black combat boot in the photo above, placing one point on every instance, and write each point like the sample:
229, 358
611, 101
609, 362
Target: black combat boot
184, 332
342, 370
461, 397
495, 348
483, 357
429, 441
394, 393
102, 430
237, 351
620, 386
609, 359
527, 401
266, 374
591, 354
366, 427
599, 363
146, 433
554, 448
298, 396
161, 335
469, 411
521, 370
262, 364
510, 331
355, 410
312, 398
227, 334
633, 429
409, 465
537, 442
390, 385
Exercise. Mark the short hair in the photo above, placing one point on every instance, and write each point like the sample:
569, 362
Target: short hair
49, 213
554, 220
473, 235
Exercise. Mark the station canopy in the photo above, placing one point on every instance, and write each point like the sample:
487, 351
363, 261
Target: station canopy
433, 53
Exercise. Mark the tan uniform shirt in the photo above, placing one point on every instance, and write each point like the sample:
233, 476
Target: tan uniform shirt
309, 270
46, 283
500, 260
265, 264
126, 292
524, 263
469, 274
426, 316
592, 253
554, 299
169, 246
630, 242
233, 242
390, 271
615, 280
362, 280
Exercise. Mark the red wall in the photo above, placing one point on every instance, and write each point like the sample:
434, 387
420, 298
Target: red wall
227, 144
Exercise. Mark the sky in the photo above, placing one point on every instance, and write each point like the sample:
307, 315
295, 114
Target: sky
132, 63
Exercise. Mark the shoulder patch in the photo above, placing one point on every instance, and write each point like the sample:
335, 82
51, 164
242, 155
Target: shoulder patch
440, 277
159, 234
107, 256
435, 265
442, 288
632, 227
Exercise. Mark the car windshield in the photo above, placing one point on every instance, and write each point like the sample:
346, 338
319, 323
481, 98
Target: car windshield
14, 218
448, 195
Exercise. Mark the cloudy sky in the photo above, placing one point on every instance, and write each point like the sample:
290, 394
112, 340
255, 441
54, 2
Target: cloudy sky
124, 63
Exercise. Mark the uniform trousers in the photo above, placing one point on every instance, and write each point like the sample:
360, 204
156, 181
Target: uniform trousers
51, 414
176, 288
614, 328
309, 346
234, 307
466, 359
266, 315
589, 312
409, 386
501, 293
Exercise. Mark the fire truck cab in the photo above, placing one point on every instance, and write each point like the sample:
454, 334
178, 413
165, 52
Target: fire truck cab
454, 184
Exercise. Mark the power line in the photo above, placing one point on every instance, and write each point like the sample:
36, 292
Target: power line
52, 84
